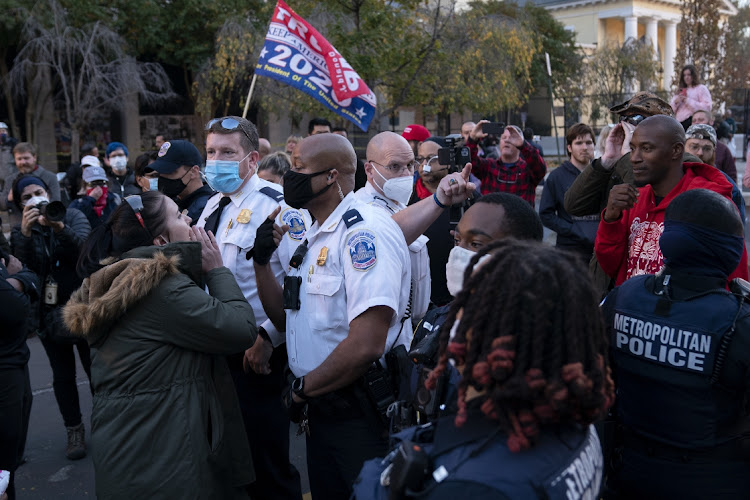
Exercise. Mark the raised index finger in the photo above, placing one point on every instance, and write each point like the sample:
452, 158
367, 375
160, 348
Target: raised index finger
466, 172
273, 214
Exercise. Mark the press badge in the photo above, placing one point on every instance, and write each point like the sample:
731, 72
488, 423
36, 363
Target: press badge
50, 292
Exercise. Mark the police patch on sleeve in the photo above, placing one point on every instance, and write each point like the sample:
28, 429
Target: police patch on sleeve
296, 223
361, 245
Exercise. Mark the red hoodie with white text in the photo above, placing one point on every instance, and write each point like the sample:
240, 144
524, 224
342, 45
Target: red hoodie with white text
629, 246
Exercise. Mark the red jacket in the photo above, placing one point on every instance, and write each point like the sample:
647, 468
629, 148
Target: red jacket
629, 246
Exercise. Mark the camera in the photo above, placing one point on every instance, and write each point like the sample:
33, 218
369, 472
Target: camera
53, 211
454, 156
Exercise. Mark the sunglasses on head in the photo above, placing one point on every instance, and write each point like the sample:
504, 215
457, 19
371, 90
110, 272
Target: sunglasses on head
228, 124
633, 119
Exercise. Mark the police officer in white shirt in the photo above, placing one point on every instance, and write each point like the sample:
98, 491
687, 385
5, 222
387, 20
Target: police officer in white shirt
344, 300
242, 203
390, 179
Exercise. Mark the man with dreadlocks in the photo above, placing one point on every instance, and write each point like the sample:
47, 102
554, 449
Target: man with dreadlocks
681, 348
527, 335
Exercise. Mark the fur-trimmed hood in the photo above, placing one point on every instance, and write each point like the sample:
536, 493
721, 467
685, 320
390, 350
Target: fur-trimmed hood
108, 293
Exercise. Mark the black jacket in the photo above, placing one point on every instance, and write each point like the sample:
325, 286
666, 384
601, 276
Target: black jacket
13, 315
574, 233
51, 254
85, 204
196, 202
123, 185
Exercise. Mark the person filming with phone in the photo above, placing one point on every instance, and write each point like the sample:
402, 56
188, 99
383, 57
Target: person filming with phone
519, 169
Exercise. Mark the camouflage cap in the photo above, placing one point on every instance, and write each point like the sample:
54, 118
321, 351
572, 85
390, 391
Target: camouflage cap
646, 103
701, 131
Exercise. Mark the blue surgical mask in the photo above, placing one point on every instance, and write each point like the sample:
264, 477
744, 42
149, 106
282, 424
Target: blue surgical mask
153, 184
224, 176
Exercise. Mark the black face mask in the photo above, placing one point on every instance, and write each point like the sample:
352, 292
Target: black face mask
172, 187
298, 188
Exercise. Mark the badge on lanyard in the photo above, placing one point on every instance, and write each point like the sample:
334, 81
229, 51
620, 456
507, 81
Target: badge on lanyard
244, 216
322, 256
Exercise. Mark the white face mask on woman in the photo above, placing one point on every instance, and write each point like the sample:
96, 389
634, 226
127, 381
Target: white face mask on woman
458, 261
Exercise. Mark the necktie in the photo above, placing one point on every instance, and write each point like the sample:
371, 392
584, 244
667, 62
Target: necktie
212, 223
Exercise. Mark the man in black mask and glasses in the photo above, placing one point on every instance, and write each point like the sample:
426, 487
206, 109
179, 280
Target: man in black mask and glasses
342, 307
242, 203
179, 166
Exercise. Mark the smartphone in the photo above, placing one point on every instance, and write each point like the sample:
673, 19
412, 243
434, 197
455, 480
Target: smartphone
494, 128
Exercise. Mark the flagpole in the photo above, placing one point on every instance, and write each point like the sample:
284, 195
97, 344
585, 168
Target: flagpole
249, 95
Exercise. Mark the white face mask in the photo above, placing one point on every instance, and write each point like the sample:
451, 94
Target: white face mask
36, 200
153, 184
397, 189
458, 261
119, 163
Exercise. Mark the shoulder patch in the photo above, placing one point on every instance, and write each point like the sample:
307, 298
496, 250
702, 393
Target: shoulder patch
351, 217
272, 193
361, 246
292, 218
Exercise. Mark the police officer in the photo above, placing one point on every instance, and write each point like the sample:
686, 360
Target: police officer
681, 343
344, 300
179, 166
242, 202
390, 180
527, 337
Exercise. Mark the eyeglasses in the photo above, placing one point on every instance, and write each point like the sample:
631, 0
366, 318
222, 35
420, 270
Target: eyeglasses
136, 203
695, 148
396, 168
633, 119
228, 124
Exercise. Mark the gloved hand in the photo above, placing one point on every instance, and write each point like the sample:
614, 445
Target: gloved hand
265, 246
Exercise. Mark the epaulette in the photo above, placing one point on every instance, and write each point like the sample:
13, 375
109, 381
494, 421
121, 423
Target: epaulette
351, 217
272, 193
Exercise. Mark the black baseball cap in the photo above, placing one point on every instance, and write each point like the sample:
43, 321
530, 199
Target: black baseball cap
174, 154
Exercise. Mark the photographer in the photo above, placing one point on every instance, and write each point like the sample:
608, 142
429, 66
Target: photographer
50, 248
519, 169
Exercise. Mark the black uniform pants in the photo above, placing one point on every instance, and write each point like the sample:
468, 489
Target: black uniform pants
267, 427
337, 447
15, 406
62, 359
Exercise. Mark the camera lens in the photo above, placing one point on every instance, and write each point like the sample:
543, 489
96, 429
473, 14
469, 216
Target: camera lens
53, 211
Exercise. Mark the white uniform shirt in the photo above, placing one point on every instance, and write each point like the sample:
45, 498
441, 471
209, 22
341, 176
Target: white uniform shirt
420, 259
366, 265
235, 238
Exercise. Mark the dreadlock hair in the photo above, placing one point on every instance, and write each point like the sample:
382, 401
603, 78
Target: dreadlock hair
530, 335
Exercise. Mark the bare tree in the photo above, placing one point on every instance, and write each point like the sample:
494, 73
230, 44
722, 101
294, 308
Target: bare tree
87, 69
615, 72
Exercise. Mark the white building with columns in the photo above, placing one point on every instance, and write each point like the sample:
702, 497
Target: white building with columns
600, 22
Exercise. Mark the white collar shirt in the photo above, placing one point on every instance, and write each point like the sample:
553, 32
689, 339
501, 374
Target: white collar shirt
420, 259
236, 239
346, 271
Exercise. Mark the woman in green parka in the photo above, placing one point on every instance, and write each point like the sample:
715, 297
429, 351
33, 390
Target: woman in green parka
165, 419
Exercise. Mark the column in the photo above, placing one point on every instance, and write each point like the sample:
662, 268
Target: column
670, 51
631, 28
652, 28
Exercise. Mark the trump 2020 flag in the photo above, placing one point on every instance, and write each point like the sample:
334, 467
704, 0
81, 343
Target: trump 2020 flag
296, 54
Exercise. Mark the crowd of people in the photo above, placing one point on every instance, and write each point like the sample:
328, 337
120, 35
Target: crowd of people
401, 310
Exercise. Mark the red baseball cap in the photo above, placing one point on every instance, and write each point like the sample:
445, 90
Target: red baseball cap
415, 132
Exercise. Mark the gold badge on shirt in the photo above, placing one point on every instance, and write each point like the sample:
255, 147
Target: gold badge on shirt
244, 216
322, 256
